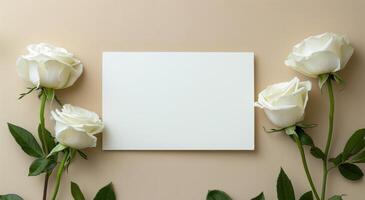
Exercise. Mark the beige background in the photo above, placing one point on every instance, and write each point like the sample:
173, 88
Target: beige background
269, 28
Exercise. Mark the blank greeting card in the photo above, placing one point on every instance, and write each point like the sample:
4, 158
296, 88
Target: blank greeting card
178, 100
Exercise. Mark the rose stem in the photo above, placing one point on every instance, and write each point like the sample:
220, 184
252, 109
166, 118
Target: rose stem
59, 174
45, 188
329, 137
44, 144
305, 166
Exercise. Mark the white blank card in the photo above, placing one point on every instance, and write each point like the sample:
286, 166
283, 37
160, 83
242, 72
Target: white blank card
178, 100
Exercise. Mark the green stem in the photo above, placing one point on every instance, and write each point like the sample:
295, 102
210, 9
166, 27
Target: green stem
305, 166
329, 137
45, 188
43, 138
43, 126
59, 174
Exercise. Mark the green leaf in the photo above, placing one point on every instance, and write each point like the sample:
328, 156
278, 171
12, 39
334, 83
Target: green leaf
260, 197
218, 195
336, 197
290, 130
106, 193
56, 149
322, 80
337, 160
305, 139
82, 154
76, 192
41, 165
350, 171
355, 144
317, 153
26, 141
307, 196
284, 187
10, 197
50, 140
359, 158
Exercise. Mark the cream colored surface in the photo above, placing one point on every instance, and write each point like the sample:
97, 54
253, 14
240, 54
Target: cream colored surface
268, 27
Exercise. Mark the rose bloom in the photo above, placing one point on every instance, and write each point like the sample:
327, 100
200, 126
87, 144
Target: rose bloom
76, 127
284, 103
49, 66
320, 54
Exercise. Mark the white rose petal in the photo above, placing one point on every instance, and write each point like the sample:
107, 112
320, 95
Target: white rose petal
284, 103
49, 66
76, 127
73, 138
320, 54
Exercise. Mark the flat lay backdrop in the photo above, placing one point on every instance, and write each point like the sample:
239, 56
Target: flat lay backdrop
267, 27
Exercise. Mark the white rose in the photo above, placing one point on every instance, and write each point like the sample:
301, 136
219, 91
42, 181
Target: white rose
49, 66
284, 103
76, 127
320, 54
